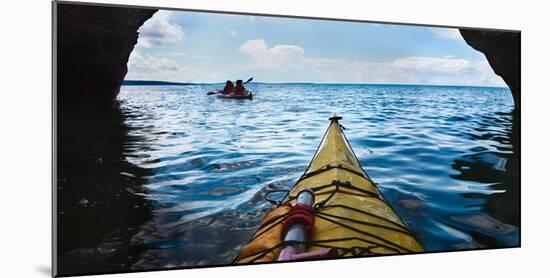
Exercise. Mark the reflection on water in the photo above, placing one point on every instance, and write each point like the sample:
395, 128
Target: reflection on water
445, 157
99, 194
500, 170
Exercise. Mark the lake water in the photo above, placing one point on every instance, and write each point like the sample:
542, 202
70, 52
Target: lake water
446, 158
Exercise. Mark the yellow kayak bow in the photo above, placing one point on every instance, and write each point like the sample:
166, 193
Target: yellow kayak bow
351, 217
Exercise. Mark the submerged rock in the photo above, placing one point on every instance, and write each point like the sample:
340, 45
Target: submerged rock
485, 223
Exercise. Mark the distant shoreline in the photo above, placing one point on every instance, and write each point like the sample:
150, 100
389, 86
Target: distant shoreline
153, 83
170, 83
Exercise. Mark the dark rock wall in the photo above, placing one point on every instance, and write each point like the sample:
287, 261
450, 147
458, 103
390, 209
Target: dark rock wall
93, 47
502, 50
98, 210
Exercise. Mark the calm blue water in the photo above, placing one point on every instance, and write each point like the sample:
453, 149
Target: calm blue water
444, 157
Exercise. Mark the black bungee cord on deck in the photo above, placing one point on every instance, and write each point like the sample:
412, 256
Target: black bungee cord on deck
318, 207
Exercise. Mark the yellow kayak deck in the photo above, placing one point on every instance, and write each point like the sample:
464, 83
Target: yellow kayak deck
351, 215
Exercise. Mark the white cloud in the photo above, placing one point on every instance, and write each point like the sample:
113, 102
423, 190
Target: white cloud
445, 65
278, 57
143, 66
186, 55
159, 30
290, 63
446, 33
449, 71
144, 63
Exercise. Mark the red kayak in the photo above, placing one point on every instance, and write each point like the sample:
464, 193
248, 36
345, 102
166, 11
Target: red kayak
246, 95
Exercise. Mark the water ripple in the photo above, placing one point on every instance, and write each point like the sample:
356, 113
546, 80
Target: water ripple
445, 157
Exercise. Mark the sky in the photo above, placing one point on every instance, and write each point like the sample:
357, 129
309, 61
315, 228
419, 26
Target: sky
211, 48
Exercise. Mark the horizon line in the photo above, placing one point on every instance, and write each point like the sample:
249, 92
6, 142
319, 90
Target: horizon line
175, 83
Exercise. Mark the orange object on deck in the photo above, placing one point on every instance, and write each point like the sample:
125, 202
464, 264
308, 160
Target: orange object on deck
265, 238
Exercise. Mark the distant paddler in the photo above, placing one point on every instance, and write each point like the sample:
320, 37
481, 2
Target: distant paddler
230, 89
239, 89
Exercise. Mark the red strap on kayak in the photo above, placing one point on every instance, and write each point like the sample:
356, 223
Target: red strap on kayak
300, 214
